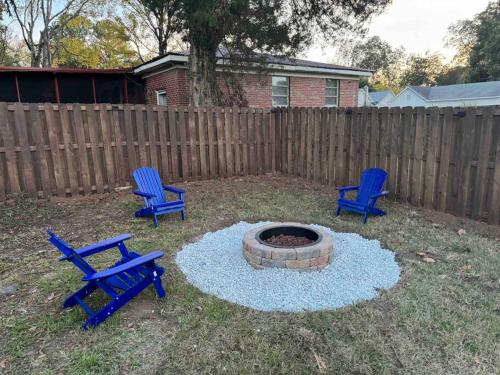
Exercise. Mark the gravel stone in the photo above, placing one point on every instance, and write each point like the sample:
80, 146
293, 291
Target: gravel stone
215, 264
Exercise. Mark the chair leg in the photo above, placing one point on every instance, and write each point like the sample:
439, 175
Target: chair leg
72, 300
157, 284
183, 215
115, 304
338, 211
155, 220
365, 218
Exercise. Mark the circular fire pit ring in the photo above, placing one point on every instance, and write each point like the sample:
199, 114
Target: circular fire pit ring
275, 246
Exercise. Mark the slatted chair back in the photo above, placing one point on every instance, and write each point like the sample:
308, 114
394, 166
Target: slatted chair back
148, 181
70, 254
372, 182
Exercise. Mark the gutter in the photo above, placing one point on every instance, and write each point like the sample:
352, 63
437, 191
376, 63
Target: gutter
283, 67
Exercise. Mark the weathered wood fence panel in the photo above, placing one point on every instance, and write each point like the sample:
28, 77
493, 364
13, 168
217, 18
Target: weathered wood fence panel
440, 158
446, 159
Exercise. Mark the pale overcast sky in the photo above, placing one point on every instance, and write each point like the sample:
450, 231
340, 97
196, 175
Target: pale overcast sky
417, 25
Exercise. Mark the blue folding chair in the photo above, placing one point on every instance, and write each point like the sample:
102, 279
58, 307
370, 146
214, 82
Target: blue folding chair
369, 190
121, 282
150, 187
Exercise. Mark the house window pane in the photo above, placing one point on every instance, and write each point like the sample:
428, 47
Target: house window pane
331, 92
280, 81
331, 101
281, 92
161, 97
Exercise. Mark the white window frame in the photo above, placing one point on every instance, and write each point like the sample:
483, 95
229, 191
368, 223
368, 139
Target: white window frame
158, 94
332, 96
287, 96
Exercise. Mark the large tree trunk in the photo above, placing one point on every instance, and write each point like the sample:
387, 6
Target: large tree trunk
203, 88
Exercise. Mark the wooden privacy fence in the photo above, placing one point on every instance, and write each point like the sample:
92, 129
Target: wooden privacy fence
441, 158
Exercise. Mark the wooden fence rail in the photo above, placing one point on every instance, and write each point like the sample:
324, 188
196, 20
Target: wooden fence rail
441, 158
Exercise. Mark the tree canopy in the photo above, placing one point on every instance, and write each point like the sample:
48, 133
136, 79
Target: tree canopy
91, 43
478, 44
249, 29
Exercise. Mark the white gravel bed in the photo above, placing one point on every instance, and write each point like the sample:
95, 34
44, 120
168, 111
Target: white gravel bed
215, 264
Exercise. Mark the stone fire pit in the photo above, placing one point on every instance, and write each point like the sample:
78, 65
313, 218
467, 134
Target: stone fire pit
271, 246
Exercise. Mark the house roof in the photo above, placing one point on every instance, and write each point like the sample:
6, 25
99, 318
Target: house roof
279, 62
24, 69
461, 91
377, 96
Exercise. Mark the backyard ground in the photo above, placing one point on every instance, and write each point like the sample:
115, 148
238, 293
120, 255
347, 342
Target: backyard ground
443, 317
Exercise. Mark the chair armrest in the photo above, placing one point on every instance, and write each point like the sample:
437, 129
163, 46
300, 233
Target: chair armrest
97, 247
174, 189
375, 196
348, 188
143, 194
134, 263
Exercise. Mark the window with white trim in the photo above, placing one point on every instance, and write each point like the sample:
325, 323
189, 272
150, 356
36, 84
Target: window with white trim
161, 97
332, 92
281, 91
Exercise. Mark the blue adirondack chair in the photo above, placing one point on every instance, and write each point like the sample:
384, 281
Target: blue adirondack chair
121, 282
150, 187
369, 190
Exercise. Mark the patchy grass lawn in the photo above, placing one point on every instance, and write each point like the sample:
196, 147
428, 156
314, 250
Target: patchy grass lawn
442, 317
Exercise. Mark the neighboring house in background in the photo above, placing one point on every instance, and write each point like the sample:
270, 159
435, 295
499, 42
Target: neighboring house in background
375, 98
462, 95
286, 82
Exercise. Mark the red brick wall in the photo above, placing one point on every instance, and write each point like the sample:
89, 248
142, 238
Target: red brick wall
304, 91
349, 93
174, 82
307, 92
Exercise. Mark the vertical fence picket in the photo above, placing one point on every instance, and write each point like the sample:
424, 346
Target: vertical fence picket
202, 134
150, 125
486, 138
236, 140
162, 134
26, 164
82, 149
94, 148
10, 152
193, 148
416, 179
174, 144
432, 135
129, 136
40, 156
108, 151
54, 149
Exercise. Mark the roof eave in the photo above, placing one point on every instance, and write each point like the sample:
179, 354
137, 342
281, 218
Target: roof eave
148, 67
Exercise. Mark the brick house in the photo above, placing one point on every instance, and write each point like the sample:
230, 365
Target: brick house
287, 82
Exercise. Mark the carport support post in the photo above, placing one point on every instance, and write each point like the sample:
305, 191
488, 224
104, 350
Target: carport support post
17, 89
93, 89
56, 87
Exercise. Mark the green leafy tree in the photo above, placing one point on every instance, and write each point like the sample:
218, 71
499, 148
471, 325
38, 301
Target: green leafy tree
86, 42
39, 21
377, 55
484, 63
478, 44
249, 28
423, 70
147, 20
